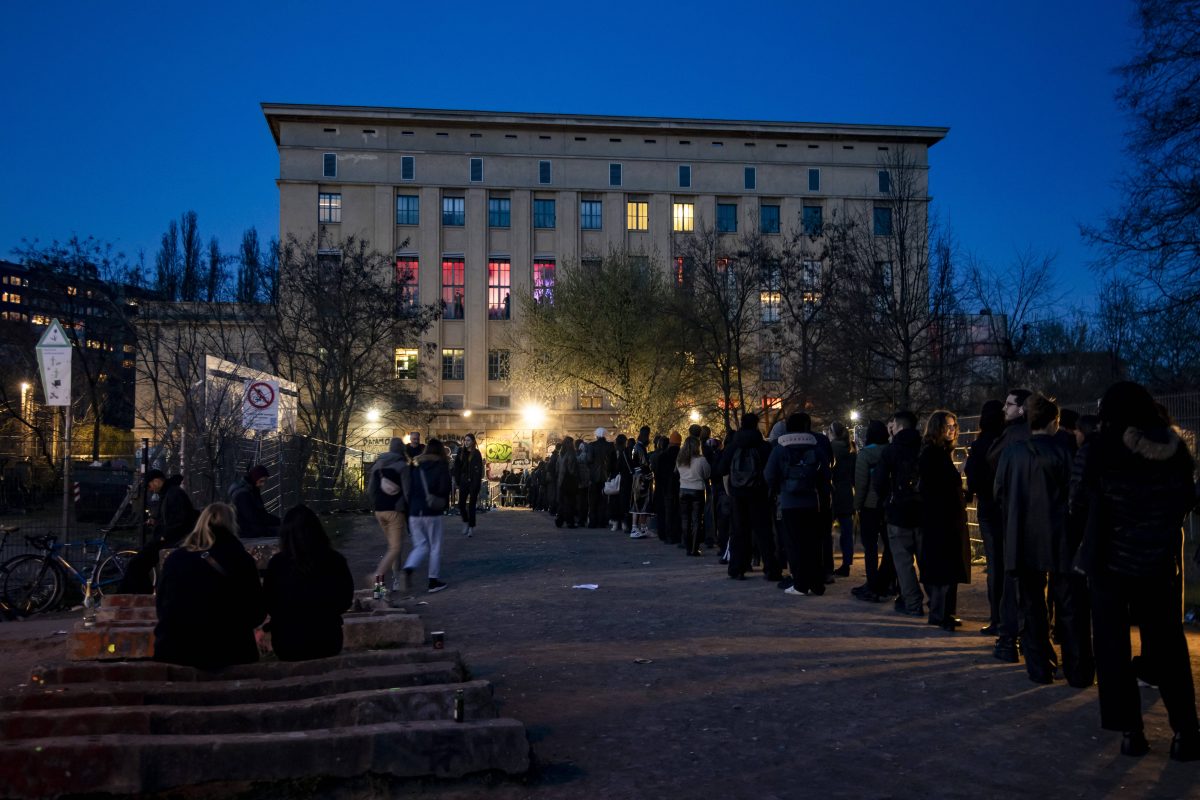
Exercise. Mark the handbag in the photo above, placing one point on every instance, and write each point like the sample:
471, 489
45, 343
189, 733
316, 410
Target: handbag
433, 502
613, 485
388, 486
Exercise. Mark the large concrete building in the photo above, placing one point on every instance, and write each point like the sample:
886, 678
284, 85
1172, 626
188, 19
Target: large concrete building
482, 207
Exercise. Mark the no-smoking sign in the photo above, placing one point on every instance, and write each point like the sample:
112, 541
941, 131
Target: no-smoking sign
260, 408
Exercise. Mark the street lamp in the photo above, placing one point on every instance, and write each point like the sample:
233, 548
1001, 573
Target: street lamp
373, 415
533, 415
854, 416
694, 416
466, 413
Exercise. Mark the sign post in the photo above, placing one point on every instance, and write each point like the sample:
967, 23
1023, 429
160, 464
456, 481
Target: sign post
54, 356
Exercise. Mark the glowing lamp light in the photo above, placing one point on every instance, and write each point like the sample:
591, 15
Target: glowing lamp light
373, 415
533, 415
694, 416
854, 416
466, 412
25, 387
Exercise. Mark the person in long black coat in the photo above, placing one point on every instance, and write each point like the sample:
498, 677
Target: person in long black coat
307, 587
467, 472
981, 481
1135, 487
209, 597
945, 554
567, 475
618, 504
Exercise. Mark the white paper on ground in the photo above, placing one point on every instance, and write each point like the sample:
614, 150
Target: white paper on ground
586, 586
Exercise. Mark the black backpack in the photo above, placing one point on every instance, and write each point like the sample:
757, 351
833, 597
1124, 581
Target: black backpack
744, 470
906, 486
800, 476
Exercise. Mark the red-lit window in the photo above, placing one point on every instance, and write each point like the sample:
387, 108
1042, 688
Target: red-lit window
543, 281
772, 404
407, 269
453, 288
499, 289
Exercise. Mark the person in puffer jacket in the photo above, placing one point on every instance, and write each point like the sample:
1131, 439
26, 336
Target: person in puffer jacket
1134, 488
798, 472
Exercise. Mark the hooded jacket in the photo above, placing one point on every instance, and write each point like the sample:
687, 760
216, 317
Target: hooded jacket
175, 514
437, 476
789, 446
389, 465
865, 466
747, 438
899, 459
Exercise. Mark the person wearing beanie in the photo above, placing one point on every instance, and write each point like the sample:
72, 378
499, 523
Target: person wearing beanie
253, 520
171, 520
383, 492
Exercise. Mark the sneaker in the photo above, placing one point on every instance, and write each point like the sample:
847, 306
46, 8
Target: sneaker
792, 590
396, 585
467, 531
435, 585
408, 580
612, 526
638, 533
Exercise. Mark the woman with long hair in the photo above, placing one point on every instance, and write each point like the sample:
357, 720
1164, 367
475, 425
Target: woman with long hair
428, 490
694, 472
618, 504
567, 482
307, 587
945, 552
209, 598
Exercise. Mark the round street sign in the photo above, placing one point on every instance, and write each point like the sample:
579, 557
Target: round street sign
260, 395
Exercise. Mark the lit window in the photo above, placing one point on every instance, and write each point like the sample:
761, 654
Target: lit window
408, 209
772, 404
543, 280
408, 168
476, 170
614, 175
683, 217
407, 270
543, 213
590, 401
772, 367
813, 222
499, 289
726, 218
770, 298
751, 178
72, 291
810, 281
497, 365
406, 363
885, 181
769, 218
685, 176
590, 215
454, 211
883, 221
15, 299
543, 172
452, 364
683, 272
40, 319
453, 288
127, 363
329, 207
499, 212
329, 165
637, 215
814, 180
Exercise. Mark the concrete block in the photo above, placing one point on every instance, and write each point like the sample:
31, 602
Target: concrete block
111, 642
381, 629
128, 601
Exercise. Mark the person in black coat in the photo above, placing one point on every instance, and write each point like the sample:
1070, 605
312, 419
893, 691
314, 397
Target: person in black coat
467, 472
751, 502
981, 479
618, 504
567, 473
1135, 487
172, 520
896, 480
602, 454
307, 586
945, 552
209, 598
254, 522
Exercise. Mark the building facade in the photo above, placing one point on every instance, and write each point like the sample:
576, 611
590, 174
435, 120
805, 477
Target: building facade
480, 208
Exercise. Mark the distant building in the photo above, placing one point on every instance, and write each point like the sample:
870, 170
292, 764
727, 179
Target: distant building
480, 206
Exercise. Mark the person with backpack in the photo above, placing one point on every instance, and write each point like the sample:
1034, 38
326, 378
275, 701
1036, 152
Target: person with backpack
383, 491
945, 550
425, 485
253, 520
693, 472
881, 575
896, 481
468, 477
798, 472
741, 467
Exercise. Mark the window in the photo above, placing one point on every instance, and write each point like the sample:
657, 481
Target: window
9, 297
683, 217
769, 219
614, 174
499, 288
452, 364
408, 209
772, 403
683, 273
543, 280
406, 363
813, 221
726, 218
543, 213
810, 281
685, 176
408, 168
751, 178
406, 284
499, 212
885, 181
637, 215
883, 221
452, 400
499, 401
329, 165
814, 180
591, 401
329, 207
497, 365
590, 215
543, 172
453, 288
476, 170
454, 211
772, 367
770, 297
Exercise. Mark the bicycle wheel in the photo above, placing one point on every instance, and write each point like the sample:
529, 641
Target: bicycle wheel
112, 571
31, 584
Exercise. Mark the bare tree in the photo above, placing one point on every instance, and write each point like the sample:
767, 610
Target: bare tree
190, 255
166, 264
216, 271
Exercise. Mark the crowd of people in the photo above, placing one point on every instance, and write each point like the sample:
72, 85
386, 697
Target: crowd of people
1080, 516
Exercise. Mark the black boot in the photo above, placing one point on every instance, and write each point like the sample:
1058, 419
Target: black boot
1134, 744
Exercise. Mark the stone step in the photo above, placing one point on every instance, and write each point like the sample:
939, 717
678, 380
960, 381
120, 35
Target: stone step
106, 613
230, 691
395, 704
135, 764
120, 671
128, 601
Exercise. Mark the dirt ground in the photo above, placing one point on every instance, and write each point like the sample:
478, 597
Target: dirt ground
672, 680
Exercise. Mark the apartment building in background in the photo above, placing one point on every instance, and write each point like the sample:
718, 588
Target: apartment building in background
481, 208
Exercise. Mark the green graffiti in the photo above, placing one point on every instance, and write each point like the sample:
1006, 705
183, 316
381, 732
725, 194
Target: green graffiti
498, 451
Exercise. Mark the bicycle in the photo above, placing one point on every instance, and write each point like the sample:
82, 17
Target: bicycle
35, 583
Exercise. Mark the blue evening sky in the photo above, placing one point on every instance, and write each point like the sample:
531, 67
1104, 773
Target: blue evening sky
119, 116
